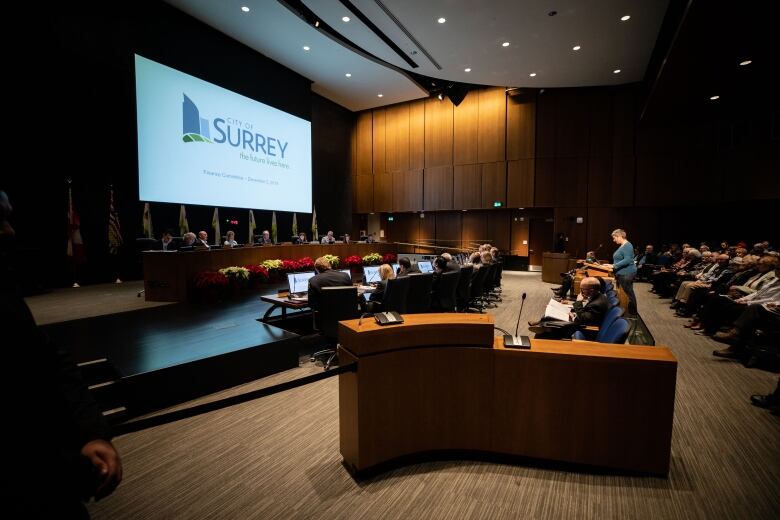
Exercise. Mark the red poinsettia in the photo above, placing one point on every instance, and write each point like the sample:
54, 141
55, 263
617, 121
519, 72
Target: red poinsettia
389, 258
206, 279
289, 266
257, 271
306, 264
353, 261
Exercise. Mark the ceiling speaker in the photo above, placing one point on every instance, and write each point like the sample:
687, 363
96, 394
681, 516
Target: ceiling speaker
457, 93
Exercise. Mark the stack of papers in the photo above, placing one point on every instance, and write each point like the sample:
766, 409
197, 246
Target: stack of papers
557, 310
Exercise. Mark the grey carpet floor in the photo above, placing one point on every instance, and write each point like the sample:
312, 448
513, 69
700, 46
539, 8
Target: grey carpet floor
278, 457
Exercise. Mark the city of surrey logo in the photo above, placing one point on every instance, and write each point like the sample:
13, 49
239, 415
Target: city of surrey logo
195, 129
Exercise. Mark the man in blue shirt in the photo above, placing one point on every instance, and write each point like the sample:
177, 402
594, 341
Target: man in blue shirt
623, 267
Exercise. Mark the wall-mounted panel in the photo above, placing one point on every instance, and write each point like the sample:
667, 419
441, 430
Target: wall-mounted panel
521, 126
544, 182
364, 144
408, 191
493, 183
600, 115
491, 121
600, 180
448, 228
438, 132
379, 141
397, 138
417, 135
498, 228
364, 194
466, 119
572, 121
383, 192
571, 181
546, 107
438, 185
474, 228
467, 187
623, 177
520, 183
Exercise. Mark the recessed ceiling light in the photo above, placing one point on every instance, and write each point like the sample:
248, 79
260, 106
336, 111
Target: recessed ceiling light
533, 74
576, 48
306, 47
379, 95
441, 20
245, 9
466, 70
505, 44
746, 62
616, 71
440, 96
345, 18
625, 18
713, 98
348, 75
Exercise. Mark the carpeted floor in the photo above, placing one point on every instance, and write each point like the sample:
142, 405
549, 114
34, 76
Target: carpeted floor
278, 457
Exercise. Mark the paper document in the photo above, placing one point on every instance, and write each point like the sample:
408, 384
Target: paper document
557, 310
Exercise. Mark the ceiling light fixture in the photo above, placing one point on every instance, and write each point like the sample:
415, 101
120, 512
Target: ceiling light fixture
441, 20
746, 62
306, 47
533, 74
348, 75
380, 95
505, 44
441, 97
713, 98
576, 48
625, 18
616, 71
345, 18
245, 9
317, 23
466, 70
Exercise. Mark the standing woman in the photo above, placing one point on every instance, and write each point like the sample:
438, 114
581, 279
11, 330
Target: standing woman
623, 267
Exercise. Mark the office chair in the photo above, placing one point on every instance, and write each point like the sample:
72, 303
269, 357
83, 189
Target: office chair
617, 332
419, 298
462, 291
395, 296
445, 296
476, 289
336, 304
612, 314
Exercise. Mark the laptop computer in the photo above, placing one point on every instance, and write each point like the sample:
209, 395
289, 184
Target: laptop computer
299, 283
371, 274
425, 267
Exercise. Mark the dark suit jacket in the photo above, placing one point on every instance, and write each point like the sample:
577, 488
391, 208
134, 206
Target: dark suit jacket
268, 242
379, 293
593, 312
412, 270
173, 245
329, 278
453, 267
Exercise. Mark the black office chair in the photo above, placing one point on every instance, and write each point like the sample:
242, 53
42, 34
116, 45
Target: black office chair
395, 296
462, 291
419, 298
336, 304
444, 297
477, 288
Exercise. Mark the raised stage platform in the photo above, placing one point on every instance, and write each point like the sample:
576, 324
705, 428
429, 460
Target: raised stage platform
140, 361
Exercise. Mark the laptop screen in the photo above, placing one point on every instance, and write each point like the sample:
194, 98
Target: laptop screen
371, 273
395, 267
299, 282
425, 267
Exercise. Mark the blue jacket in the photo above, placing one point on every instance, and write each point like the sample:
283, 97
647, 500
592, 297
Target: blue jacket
623, 260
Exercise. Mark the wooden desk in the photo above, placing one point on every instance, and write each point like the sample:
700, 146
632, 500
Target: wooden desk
168, 275
553, 264
443, 382
284, 303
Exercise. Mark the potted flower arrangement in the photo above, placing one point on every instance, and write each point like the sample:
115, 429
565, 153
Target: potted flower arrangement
257, 275
333, 260
210, 286
389, 258
355, 263
306, 264
372, 259
289, 266
273, 267
238, 278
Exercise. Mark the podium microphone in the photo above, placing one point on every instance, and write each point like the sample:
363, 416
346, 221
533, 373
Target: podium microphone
515, 341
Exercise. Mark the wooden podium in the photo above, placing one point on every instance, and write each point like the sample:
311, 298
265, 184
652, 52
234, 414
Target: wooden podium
444, 383
553, 264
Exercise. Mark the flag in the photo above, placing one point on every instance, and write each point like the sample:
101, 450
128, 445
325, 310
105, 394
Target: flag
273, 228
252, 227
315, 235
295, 225
184, 226
75, 243
148, 232
215, 226
114, 231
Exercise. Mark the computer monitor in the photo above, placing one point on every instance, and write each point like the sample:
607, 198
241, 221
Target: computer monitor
371, 274
347, 272
395, 267
425, 267
299, 282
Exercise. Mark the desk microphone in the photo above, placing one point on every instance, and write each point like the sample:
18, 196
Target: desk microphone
517, 341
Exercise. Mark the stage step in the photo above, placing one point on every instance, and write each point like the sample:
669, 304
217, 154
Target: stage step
97, 371
115, 415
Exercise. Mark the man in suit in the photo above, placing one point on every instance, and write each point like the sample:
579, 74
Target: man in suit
325, 277
328, 239
166, 242
406, 267
452, 266
265, 240
203, 240
589, 309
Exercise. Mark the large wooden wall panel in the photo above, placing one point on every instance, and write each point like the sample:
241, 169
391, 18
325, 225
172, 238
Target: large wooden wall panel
438, 185
600, 180
493, 183
474, 228
601, 121
571, 181
467, 187
466, 119
417, 135
519, 234
397, 138
491, 123
383, 192
438, 132
520, 183
572, 122
566, 222
408, 190
364, 195
363, 144
499, 228
546, 107
379, 140
448, 228
521, 127
544, 182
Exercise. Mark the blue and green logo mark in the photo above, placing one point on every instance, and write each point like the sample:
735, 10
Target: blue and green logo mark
194, 128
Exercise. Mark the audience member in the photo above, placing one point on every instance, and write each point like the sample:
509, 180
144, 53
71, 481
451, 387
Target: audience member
452, 265
325, 277
406, 267
385, 273
589, 309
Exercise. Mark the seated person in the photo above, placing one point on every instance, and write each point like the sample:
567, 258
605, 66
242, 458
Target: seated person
167, 243
325, 277
494, 252
452, 265
370, 239
230, 239
202, 240
188, 240
265, 240
406, 267
487, 258
301, 238
328, 239
589, 309
347, 240
385, 273
567, 278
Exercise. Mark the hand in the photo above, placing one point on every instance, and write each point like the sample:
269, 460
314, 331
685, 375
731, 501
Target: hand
106, 461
